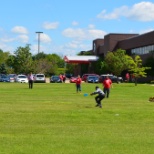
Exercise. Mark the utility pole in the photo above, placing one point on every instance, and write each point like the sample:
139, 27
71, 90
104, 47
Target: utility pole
39, 41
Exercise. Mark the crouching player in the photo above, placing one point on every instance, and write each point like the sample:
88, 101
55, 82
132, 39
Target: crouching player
99, 97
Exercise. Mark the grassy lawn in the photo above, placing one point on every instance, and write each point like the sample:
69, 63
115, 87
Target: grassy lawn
54, 119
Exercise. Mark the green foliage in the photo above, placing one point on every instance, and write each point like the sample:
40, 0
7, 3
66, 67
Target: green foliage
70, 68
85, 53
56, 60
3, 56
116, 62
136, 68
23, 60
43, 66
3, 69
39, 56
100, 66
60, 71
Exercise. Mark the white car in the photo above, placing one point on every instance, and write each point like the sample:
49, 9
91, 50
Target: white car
39, 78
21, 79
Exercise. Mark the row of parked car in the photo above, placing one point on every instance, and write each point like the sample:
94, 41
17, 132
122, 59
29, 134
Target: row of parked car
40, 78
94, 78
21, 78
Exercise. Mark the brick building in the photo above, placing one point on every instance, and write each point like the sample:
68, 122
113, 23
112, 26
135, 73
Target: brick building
133, 44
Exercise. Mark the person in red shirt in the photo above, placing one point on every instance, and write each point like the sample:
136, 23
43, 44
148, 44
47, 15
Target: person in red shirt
78, 84
107, 85
127, 77
61, 77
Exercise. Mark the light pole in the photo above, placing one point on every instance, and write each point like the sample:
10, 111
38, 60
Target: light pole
39, 41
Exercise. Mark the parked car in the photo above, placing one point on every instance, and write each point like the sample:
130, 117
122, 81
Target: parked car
73, 79
84, 76
93, 79
12, 77
55, 79
112, 77
5, 78
68, 75
21, 79
39, 78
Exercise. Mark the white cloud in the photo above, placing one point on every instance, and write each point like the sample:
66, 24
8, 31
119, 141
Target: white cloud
50, 25
109, 16
143, 11
146, 31
75, 23
44, 38
23, 38
6, 39
6, 47
91, 26
94, 33
74, 33
83, 34
20, 30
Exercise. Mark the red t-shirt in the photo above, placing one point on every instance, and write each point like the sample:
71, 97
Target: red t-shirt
107, 83
78, 81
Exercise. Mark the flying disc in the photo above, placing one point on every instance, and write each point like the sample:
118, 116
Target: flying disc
85, 94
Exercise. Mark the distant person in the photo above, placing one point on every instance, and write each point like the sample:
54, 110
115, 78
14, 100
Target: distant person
107, 85
127, 77
30, 80
61, 77
132, 78
99, 97
78, 84
64, 78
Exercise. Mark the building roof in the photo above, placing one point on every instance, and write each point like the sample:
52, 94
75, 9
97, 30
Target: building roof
80, 59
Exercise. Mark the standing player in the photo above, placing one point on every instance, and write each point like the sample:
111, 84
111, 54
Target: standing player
99, 97
107, 85
30, 80
78, 84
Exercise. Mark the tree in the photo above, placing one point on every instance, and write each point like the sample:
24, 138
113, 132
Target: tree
136, 68
3, 69
43, 66
115, 62
4, 56
40, 55
23, 60
57, 60
99, 66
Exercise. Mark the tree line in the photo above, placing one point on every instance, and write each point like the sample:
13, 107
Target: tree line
22, 61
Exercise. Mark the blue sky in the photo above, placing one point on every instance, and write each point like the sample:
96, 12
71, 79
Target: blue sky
70, 26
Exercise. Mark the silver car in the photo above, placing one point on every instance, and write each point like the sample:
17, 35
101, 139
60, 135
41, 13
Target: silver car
39, 78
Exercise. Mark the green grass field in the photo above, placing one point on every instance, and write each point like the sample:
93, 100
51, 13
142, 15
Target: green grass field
54, 119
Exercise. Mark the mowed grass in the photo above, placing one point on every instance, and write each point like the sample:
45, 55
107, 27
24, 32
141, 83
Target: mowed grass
54, 119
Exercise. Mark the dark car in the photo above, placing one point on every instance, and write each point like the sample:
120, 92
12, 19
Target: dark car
93, 79
112, 77
55, 79
5, 78
84, 76
68, 75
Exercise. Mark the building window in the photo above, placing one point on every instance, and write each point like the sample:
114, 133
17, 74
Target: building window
143, 50
94, 47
